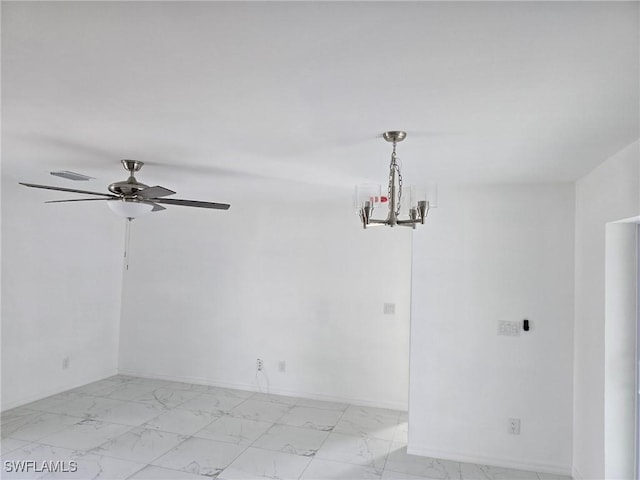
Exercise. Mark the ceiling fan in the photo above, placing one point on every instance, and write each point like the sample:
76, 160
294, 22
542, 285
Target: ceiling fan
131, 198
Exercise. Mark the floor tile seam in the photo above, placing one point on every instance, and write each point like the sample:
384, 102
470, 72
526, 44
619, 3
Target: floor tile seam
365, 466
184, 409
168, 431
317, 408
100, 454
36, 414
167, 468
46, 434
230, 413
323, 442
106, 397
108, 422
62, 415
219, 440
302, 405
16, 408
386, 459
216, 412
289, 408
150, 462
92, 448
157, 404
246, 417
84, 416
303, 427
23, 446
364, 438
246, 447
361, 435
242, 402
145, 462
207, 425
279, 451
357, 418
136, 472
251, 396
271, 451
261, 435
190, 434
369, 465
41, 444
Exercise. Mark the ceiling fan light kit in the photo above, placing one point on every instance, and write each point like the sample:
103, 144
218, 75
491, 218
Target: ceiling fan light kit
129, 208
130, 198
420, 200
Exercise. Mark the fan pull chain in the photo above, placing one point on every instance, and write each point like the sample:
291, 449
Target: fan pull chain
127, 242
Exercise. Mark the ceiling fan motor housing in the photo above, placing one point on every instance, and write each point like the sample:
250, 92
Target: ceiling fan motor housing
129, 187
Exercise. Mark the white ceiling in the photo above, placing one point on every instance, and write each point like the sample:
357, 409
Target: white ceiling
223, 99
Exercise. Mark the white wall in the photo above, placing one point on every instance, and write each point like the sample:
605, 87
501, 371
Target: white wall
609, 193
494, 253
61, 287
620, 349
209, 292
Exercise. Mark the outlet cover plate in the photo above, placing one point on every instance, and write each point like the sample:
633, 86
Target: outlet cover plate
514, 426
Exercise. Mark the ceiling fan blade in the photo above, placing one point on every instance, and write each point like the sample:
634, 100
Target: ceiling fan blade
191, 203
61, 189
80, 200
156, 207
155, 192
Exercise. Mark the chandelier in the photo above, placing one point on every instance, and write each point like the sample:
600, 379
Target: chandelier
368, 196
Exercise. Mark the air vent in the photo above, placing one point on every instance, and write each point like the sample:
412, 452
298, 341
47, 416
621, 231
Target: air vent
71, 175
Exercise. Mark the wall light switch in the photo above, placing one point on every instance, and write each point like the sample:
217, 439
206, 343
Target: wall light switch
512, 329
389, 308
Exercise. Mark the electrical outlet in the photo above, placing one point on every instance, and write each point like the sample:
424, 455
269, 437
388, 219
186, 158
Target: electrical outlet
282, 366
65, 363
514, 426
259, 365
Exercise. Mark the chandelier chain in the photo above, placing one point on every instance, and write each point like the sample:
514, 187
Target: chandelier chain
394, 166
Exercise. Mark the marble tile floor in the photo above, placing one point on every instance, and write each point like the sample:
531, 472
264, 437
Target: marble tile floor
135, 428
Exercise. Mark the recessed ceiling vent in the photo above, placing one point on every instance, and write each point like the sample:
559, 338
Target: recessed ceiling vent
71, 175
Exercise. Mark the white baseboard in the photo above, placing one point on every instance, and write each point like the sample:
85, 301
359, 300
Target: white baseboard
63, 388
575, 473
276, 391
492, 461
